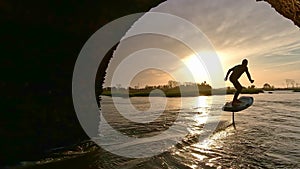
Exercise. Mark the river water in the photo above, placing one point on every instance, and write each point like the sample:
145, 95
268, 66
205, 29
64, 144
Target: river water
267, 135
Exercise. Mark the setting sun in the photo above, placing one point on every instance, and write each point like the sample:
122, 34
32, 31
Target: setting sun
197, 68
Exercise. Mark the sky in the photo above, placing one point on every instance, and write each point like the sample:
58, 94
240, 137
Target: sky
236, 29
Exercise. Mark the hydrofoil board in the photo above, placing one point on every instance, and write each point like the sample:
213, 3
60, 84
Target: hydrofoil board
246, 102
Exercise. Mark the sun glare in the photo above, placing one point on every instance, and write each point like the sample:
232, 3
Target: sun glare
197, 69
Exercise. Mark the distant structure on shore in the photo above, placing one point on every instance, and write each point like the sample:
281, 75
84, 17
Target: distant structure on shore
268, 87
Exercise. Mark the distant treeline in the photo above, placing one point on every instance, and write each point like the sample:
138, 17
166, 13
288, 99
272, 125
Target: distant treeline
172, 89
175, 89
188, 89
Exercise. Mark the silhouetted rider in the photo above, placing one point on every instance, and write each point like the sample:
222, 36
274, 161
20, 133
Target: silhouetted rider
237, 71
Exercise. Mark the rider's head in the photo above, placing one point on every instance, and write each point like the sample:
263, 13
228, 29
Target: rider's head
245, 62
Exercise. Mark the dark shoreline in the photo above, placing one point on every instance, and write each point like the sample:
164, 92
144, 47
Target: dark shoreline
212, 92
124, 93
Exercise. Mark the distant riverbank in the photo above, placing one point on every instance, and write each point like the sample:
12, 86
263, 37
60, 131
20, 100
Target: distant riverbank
296, 90
176, 92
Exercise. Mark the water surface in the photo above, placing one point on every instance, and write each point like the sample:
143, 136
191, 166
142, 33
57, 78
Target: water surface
267, 135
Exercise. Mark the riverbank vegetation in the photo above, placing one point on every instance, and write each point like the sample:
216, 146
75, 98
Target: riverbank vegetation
175, 89
186, 89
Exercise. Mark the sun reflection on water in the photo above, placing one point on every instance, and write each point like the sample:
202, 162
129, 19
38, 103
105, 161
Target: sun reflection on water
202, 105
204, 151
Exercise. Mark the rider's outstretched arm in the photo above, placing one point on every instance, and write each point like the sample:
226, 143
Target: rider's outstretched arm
249, 76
